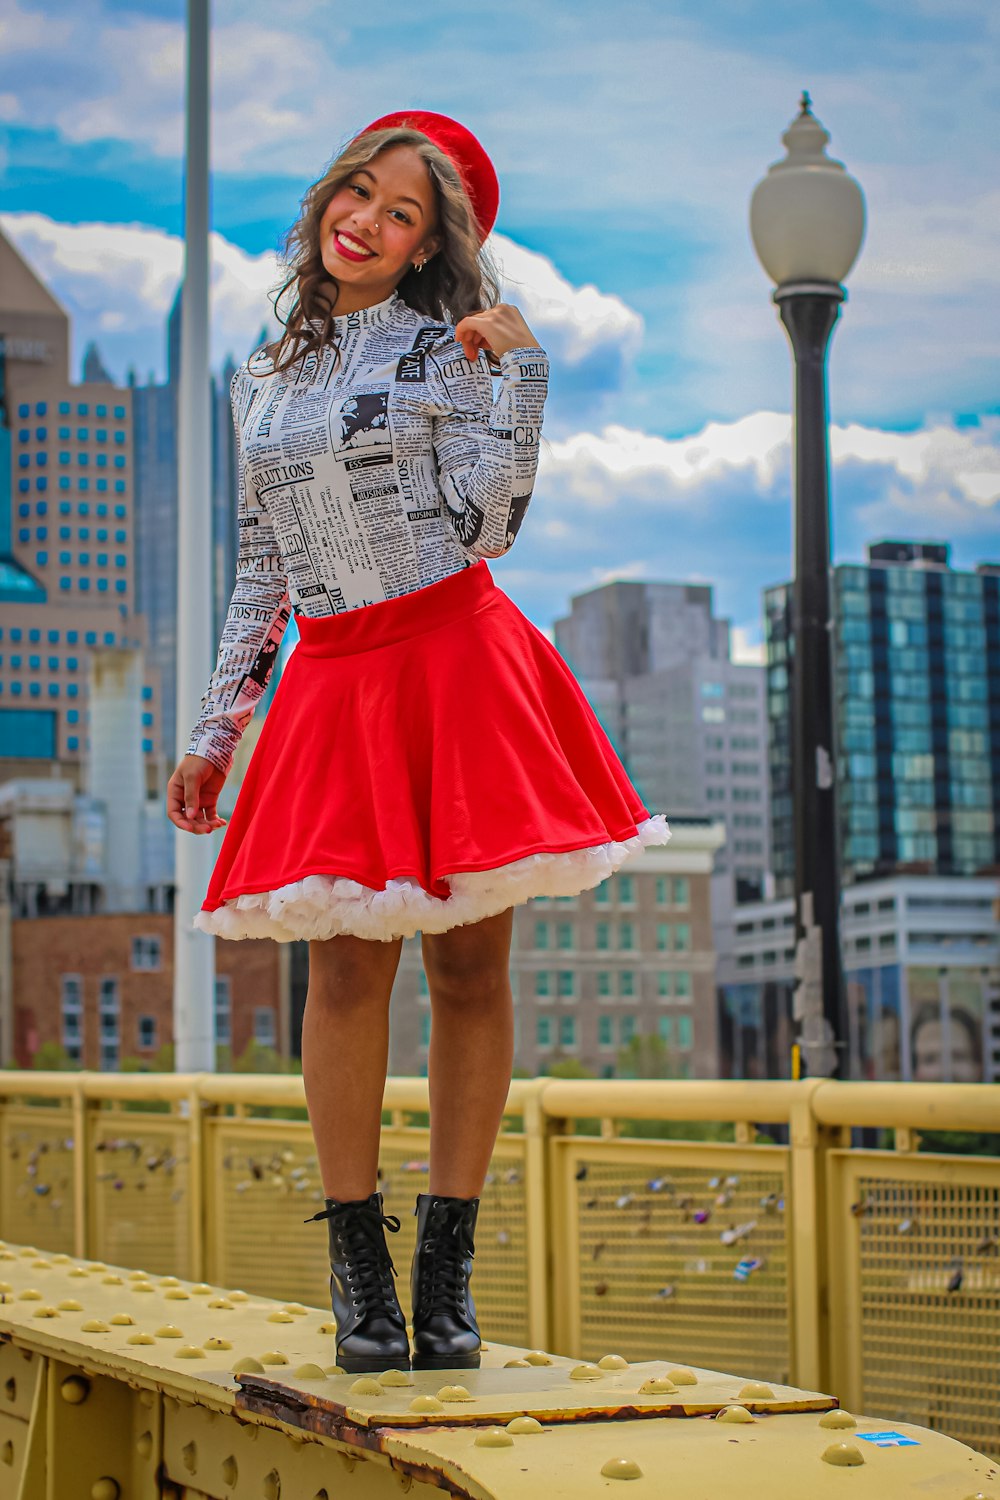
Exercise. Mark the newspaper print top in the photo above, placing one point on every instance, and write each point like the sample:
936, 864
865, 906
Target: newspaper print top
363, 482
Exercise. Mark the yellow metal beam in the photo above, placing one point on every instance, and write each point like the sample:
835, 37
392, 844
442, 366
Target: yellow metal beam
116, 1385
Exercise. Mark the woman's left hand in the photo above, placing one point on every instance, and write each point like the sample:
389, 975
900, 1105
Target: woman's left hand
497, 329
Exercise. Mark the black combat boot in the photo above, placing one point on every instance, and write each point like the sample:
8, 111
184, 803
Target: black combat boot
445, 1331
371, 1327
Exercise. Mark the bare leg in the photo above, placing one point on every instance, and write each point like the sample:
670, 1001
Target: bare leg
345, 1053
471, 1051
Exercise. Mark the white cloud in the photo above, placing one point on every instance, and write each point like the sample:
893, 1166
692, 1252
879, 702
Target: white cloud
745, 646
119, 281
597, 466
581, 320
942, 464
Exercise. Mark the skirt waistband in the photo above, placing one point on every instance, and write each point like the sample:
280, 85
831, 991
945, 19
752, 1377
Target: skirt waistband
380, 624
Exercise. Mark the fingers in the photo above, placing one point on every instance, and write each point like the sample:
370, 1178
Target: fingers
187, 808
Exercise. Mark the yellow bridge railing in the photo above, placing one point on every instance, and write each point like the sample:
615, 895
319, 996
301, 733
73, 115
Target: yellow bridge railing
779, 1250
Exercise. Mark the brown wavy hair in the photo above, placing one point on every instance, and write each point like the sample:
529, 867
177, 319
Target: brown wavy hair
459, 279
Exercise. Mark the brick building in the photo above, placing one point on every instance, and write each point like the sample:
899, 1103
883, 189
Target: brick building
101, 985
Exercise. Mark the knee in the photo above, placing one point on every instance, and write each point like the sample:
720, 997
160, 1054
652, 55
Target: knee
465, 975
351, 974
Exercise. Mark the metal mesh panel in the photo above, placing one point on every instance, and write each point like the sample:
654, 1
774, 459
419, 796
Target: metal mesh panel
140, 1201
656, 1279
266, 1183
36, 1178
930, 1304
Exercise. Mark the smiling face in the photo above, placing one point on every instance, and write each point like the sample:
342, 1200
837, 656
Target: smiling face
379, 223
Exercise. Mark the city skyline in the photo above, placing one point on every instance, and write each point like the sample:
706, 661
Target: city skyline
668, 425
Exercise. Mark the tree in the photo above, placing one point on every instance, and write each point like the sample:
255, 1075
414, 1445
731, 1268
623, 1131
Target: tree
646, 1056
52, 1057
569, 1067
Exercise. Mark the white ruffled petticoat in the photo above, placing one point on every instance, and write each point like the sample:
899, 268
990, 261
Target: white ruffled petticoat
320, 906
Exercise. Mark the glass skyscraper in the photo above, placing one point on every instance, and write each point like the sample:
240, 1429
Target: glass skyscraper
917, 713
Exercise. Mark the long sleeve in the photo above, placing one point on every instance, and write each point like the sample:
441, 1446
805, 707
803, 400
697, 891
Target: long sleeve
258, 614
486, 449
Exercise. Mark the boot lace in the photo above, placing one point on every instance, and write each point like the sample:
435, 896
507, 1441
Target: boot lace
366, 1254
442, 1265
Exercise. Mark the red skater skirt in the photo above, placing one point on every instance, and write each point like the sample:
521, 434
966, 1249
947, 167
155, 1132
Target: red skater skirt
426, 761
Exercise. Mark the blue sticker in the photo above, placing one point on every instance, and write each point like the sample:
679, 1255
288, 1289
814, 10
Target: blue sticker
889, 1439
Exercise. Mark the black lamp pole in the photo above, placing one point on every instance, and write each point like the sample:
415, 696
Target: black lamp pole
809, 311
807, 222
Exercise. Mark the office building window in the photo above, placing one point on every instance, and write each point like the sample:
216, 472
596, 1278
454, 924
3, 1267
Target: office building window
543, 1031
663, 984
684, 1031
109, 1023
682, 937
682, 891
567, 983
223, 1010
626, 1030
71, 1010
663, 937
564, 935
626, 890
661, 890
541, 934
146, 952
665, 1028
263, 1025
567, 1031
626, 982
605, 1031
602, 935
602, 895
604, 984
147, 1033
543, 985
626, 936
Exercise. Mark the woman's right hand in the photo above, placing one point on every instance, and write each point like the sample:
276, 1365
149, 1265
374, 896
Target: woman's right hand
192, 793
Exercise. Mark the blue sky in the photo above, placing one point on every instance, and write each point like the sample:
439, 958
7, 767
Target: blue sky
628, 140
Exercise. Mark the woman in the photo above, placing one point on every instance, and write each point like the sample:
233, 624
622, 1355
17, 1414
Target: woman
428, 760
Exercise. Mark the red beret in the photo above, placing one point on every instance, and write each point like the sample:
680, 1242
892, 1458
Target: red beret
477, 172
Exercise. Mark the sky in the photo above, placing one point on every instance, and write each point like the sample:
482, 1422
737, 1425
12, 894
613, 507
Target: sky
628, 140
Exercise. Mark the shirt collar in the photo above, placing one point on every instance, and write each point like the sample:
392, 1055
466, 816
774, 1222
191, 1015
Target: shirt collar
365, 317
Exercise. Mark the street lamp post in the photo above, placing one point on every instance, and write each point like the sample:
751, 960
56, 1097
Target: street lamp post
807, 221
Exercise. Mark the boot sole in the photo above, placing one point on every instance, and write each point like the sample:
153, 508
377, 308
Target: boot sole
445, 1362
357, 1365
